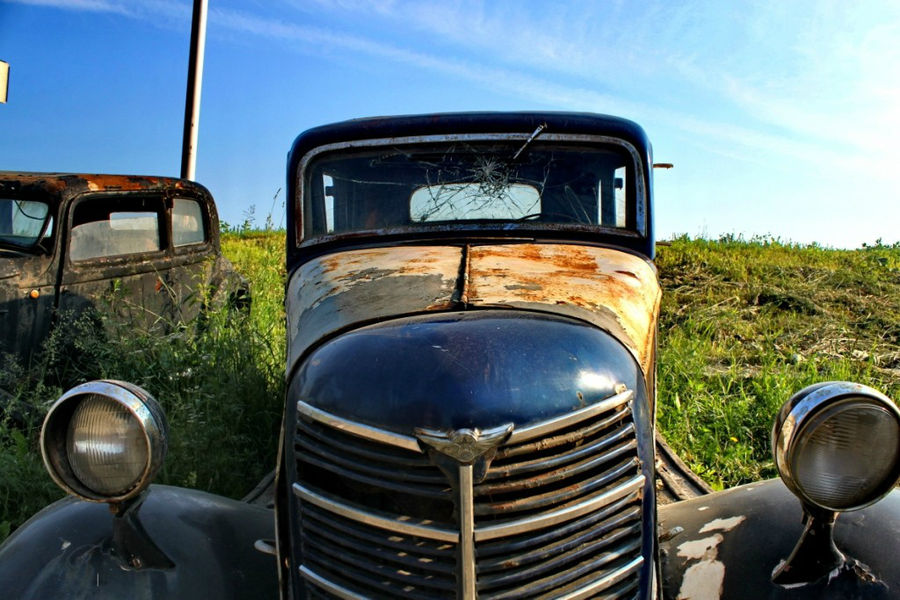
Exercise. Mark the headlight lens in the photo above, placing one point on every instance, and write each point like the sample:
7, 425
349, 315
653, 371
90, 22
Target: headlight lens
105, 446
104, 440
838, 445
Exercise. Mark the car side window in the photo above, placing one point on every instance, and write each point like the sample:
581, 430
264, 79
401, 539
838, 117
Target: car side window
187, 222
114, 226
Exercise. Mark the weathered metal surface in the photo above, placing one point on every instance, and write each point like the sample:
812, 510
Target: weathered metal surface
728, 544
615, 290
67, 551
334, 292
68, 185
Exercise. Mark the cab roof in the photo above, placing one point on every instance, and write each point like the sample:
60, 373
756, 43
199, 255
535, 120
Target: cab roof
63, 186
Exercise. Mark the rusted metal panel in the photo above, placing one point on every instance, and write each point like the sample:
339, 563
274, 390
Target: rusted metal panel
615, 290
68, 185
331, 293
611, 289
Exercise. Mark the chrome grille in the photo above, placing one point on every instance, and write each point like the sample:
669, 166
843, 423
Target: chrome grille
557, 514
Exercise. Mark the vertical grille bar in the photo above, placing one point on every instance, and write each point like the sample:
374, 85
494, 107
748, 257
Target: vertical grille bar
467, 533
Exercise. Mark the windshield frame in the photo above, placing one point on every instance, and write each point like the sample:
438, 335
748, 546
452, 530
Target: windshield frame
641, 186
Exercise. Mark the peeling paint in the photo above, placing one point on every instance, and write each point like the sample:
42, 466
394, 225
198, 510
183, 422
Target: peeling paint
704, 579
722, 524
611, 289
697, 549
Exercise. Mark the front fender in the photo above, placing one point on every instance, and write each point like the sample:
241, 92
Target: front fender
66, 551
727, 544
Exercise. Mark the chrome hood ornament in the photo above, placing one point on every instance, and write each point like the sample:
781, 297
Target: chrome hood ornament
464, 445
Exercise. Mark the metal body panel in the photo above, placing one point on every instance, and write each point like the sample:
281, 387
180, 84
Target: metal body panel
66, 551
338, 291
731, 542
466, 369
614, 290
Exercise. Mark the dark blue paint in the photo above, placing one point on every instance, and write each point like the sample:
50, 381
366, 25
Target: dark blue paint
464, 369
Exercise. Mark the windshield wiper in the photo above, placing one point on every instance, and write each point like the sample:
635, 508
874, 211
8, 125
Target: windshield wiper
537, 132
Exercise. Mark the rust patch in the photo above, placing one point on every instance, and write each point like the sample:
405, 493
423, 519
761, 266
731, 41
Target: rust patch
593, 282
67, 185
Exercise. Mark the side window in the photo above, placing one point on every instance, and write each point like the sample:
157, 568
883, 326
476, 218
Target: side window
21, 221
613, 199
114, 226
187, 222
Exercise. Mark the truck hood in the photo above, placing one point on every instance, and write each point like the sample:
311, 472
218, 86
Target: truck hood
611, 289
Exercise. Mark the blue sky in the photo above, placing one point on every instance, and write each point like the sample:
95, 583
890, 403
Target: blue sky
782, 118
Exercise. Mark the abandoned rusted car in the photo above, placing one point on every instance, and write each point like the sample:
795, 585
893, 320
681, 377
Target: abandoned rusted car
143, 249
471, 309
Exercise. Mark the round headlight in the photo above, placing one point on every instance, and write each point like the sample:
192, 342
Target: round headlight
104, 440
837, 445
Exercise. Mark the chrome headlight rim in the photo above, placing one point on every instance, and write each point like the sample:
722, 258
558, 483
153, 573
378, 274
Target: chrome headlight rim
140, 406
806, 407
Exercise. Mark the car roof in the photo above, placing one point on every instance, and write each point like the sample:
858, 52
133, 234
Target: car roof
63, 186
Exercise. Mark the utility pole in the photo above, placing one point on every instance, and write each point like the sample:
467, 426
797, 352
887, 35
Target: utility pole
192, 98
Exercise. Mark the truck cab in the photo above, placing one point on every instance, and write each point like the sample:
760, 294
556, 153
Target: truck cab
139, 250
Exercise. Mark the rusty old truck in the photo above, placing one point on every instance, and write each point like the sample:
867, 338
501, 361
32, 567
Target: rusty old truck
139, 249
471, 317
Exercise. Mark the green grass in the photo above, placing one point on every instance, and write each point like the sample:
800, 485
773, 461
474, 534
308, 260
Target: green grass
744, 324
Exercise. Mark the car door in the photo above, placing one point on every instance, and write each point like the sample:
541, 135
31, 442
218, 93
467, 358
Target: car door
191, 276
117, 256
28, 267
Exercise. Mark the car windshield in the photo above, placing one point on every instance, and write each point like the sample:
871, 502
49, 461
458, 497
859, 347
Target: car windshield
485, 184
22, 221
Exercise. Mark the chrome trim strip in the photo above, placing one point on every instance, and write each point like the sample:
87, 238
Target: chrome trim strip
319, 581
467, 533
545, 427
395, 525
359, 430
604, 582
558, 516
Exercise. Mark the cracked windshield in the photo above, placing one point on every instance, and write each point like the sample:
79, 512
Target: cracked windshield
489, 184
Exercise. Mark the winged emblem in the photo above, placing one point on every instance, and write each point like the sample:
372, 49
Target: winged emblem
464, 445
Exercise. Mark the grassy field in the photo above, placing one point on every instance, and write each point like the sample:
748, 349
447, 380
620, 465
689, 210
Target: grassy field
743, 326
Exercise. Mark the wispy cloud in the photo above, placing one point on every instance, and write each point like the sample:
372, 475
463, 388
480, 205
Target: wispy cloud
101, 6
742, 80
801, 135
